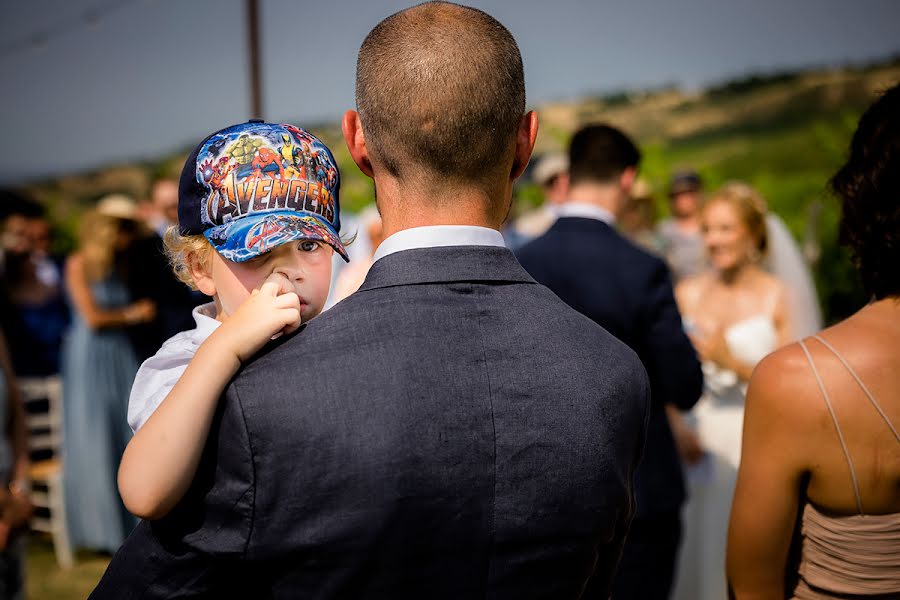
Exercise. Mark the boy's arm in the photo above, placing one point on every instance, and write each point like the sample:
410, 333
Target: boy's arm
199, 549
161, 459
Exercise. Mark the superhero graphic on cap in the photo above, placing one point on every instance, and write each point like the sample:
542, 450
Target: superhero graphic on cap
278, 179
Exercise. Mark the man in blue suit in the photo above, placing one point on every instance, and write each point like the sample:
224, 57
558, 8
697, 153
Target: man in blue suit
618, 285
450, 431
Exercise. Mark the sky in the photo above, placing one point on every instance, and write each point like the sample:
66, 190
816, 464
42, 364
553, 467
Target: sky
89, 83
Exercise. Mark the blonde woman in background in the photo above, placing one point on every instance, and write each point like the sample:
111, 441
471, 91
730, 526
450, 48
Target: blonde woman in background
736, 314
98, 366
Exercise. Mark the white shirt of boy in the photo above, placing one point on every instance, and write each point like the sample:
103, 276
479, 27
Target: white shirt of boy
159, 373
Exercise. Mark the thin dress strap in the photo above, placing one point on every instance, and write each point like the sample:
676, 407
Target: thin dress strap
836, 426
862, 386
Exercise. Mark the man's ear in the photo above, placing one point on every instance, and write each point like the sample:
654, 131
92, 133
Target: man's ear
626, 179
526, 134
356, 142
201, 273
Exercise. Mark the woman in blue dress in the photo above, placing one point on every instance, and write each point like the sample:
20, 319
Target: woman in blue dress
98, 367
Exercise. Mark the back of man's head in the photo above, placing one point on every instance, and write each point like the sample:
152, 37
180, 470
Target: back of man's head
440, 92
600, 154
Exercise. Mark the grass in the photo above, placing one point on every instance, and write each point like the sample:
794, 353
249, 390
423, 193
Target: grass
44, 580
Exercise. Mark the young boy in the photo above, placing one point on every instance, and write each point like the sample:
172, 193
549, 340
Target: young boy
256, 232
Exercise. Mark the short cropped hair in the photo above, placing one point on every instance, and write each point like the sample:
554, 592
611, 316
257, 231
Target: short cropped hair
181, 249
600, 153
440, 90
869, 188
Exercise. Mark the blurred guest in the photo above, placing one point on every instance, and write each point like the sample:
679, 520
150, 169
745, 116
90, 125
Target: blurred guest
736, 314
821, 441
14, 237
35, 312
594, 269
15, 506
47, 266
354, 273
638, 217
99, 365
551, 174
152, 278
680, 236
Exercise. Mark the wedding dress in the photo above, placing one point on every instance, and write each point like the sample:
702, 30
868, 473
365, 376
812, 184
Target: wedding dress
718, 418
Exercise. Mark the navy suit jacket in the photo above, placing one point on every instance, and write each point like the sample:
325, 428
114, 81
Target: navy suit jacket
627, 291
453, 430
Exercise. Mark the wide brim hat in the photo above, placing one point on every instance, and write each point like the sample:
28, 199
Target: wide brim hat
118, 206
550, 166
252, 187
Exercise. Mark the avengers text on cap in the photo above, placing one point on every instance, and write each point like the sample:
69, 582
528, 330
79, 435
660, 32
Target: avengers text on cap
254, 186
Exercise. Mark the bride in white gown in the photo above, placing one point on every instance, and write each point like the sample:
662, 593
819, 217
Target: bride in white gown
735, 315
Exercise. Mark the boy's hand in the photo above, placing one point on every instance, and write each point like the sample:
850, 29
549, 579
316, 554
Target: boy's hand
271, 310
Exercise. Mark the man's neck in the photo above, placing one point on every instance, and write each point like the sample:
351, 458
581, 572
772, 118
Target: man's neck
689, 224
605, 196
404, 208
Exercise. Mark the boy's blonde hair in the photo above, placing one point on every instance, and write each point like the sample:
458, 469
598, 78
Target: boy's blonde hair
181, 250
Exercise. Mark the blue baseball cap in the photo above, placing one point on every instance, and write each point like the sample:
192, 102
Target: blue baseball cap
252, 187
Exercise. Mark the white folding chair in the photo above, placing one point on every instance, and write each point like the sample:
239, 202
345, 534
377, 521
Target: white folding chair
43, 413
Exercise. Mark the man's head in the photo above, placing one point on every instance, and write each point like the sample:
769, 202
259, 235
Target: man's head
552, 174
164, 195
685, 194
17, 211
603, 165
41, 235
441, 96
601, 154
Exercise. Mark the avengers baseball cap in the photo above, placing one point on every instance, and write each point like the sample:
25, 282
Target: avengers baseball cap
252, 187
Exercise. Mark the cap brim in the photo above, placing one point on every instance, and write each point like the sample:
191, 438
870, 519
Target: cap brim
683, 189
258, 233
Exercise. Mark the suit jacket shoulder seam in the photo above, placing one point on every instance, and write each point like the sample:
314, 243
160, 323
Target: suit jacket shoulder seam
493, 521
252, 487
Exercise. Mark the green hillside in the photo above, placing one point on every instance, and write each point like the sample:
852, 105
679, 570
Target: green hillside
785, 134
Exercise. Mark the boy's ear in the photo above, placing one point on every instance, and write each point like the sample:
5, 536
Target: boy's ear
201, 273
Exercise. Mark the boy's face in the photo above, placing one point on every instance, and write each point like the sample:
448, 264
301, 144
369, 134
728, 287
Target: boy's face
305, 263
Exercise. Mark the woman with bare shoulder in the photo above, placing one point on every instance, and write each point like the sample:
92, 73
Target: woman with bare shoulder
816, 511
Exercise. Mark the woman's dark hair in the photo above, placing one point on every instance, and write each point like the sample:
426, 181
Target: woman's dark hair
869, 188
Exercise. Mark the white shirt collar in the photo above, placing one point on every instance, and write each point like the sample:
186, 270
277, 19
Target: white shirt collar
434, 236
205, 318
586, 211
